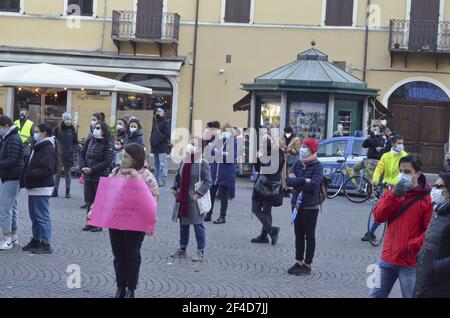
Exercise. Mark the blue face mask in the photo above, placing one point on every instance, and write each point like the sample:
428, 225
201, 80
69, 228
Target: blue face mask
37, 137
2, 133
304, 152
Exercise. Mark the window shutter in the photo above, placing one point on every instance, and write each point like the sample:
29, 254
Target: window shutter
332, 15
346, 16
14, 5
87, 8
237, 11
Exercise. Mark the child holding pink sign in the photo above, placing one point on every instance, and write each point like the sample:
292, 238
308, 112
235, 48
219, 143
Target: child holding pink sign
126, 245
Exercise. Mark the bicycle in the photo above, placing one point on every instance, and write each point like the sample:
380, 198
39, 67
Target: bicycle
378, 235
362, 186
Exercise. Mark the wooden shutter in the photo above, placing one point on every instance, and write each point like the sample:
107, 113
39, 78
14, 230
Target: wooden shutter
238, 11
149, 19
339, 13
10, 5
86, 7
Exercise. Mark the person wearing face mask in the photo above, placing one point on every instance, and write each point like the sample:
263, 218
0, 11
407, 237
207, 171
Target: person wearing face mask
306, 178
407, 209
95, 158
375, 144
269, 165
126, 245
11, 166
135, 136
388, 168
290, 145
122, 129
96, 118
66, 135
433, 262
193, 169
160, 145
223, 173
37, 178
25, 125
118, 153
388, 138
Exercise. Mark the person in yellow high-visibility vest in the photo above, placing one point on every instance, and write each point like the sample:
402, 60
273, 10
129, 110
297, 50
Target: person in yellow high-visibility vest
25, 125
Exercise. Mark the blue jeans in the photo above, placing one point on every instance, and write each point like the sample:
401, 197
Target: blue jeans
40, 218
9, 191
388, 276
200, 236
161, 167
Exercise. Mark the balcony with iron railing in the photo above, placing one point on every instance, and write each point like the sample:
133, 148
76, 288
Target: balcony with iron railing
136, 28
422, 36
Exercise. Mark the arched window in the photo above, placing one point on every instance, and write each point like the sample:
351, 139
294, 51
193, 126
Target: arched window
420, 91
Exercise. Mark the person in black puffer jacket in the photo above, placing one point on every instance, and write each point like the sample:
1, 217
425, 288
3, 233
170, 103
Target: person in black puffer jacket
433, 261
135, 136
262, 207
37, 178
11, 166
66, 134
95, 161
306, 177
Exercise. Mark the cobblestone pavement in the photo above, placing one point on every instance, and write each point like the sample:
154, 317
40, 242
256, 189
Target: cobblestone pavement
233, 266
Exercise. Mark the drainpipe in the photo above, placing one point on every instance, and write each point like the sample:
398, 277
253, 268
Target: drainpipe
194, 64
366, 41
104, 26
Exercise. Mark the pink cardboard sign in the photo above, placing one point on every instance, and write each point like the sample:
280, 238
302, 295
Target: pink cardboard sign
124, 204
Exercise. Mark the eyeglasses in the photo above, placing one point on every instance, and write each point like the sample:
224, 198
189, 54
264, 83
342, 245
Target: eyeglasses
439, 186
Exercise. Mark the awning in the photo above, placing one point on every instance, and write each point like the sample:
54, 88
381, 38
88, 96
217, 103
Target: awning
381, 111
93, 61
243, 104
53, 76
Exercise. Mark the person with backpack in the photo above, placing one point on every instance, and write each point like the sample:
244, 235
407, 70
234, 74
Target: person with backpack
407, 209
306, 177
268, 171
11, 166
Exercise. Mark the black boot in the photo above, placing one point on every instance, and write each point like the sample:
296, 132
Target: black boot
260, 239
67, 193
130, 293
274, 235
55, 193
220, 220
121, 292
208, 217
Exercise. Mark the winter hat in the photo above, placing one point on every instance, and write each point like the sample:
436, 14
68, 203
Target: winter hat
66, 116
312, 144
446, 178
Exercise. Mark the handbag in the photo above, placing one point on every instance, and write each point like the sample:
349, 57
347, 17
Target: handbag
176, 211
204, 203
168, 141
267, 190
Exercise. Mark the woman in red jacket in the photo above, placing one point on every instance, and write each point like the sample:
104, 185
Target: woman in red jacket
407, 209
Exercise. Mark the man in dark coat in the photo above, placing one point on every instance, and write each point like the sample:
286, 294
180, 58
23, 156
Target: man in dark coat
160, 145
66, 135
433, 261
375, 144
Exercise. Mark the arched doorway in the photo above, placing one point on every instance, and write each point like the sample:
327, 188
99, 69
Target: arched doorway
422, 116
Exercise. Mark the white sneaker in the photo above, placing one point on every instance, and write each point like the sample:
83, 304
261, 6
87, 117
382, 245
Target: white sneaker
198, 257
15, 241
5, 243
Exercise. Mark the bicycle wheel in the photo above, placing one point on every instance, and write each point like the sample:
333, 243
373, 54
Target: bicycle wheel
378, 236
358, 189
336, 184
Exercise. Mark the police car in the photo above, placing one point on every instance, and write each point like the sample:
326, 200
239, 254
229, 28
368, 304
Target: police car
329, 149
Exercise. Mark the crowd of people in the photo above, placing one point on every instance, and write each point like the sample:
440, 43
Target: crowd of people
416, 247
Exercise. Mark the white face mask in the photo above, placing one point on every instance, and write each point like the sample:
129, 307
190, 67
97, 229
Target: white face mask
97, 134
119, 127
399, 148
133, 129
288, 135
191, 148
436, 196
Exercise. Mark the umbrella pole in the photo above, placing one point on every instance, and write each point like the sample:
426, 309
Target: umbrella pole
42, 106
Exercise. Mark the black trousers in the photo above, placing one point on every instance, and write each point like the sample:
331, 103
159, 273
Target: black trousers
263, 211
223, 194
90, 190
305, 232
126, 248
